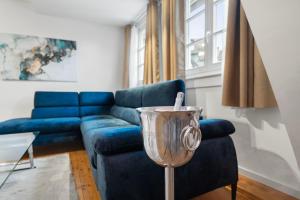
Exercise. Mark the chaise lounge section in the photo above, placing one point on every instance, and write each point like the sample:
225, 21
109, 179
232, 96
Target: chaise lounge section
109, 126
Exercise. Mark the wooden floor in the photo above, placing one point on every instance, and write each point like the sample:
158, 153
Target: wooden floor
82, 173
247, 189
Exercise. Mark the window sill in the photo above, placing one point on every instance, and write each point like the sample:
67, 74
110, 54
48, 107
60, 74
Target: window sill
203, 72
206, 77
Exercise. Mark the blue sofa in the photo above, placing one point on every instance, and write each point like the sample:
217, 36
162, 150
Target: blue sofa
110, 129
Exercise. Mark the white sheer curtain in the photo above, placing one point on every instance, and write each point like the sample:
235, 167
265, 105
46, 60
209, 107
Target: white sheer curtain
133, 65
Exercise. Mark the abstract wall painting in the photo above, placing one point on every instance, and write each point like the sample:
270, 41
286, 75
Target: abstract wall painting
32, 58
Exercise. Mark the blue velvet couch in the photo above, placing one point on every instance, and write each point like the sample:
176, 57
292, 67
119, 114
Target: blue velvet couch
109, 126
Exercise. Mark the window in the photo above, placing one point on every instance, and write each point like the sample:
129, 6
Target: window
141, 29
205, 34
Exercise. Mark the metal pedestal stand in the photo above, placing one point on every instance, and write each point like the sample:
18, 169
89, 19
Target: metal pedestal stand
169, 183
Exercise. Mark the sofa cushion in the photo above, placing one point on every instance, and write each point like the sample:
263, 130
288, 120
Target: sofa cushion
87, 137
162, 94
90, 126
129, 98
100, 123
129, 114
214, 128
115, 140
43, 125
14, 126
94, 110
95, 117
96, 98
56, 99
53, 112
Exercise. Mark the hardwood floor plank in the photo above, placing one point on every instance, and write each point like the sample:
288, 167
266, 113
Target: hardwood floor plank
219, 194
76, 173
260, 191
85, 184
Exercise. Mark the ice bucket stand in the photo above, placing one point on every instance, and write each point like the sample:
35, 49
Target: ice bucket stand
170, 138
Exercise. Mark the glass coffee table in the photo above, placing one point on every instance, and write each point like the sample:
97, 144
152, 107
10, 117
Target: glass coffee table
12, 149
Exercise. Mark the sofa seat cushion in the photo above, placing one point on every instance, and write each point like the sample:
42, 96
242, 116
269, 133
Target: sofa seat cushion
43, 125
214, 128
95, 117
100, 122
90, 126
91, 137
117, 140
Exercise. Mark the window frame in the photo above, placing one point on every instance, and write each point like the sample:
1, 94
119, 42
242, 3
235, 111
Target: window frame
141, 26
210, 68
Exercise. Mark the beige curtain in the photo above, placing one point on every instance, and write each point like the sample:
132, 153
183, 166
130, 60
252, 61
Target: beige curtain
173, 55
127, 34
151, 65
246, 83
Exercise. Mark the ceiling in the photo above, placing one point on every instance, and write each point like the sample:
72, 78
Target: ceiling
108, 12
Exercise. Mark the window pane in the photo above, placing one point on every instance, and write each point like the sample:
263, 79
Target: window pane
142, 37
196, 28
219, 16
218, 47
141, 72
196, 6
196, 55
141, 56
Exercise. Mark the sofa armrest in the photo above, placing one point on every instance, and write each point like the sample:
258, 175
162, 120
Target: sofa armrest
114, 140
14, 126
215, 128
49, 125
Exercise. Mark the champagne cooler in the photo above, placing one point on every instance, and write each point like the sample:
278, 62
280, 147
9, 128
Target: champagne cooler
171, 135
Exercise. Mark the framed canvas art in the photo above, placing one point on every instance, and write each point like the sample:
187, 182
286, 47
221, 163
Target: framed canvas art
32, 58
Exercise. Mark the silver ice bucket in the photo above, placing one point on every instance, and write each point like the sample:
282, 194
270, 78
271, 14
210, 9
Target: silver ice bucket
170, 138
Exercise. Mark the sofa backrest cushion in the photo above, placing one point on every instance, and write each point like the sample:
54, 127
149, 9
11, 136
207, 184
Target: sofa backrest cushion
95, 103
94, 110
129, 98
54, 112
130, 115
55, 104
96, 98
159, 94
162, 94
56, 99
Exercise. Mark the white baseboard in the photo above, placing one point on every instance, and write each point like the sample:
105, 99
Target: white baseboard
271, 183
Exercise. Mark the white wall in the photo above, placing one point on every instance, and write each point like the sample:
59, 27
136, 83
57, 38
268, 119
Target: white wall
262, 143
276, 28
99, 56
